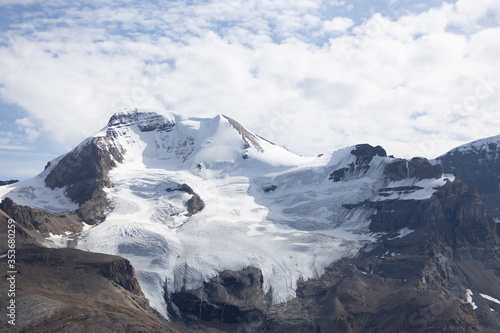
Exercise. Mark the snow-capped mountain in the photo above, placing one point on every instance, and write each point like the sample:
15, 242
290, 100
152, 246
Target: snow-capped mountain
263, 206
188, 201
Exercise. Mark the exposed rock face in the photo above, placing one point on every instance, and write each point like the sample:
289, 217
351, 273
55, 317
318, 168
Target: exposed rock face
249, 138
23, 235
84, 173
417, 167
8, 182
193, 205
478, 164
455, 210
228, 301
146, 121
39, 220
364, 154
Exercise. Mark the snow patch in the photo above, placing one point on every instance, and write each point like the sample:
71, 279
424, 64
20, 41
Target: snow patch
489, 298
402, 233
468, 299
56, 241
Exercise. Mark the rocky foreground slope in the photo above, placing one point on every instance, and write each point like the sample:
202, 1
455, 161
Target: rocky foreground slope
68, 290
229, 232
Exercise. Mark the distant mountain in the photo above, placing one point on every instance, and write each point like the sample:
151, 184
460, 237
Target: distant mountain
8, 182
228, 231
478, 164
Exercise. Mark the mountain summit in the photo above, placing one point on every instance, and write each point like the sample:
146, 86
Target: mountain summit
220, 223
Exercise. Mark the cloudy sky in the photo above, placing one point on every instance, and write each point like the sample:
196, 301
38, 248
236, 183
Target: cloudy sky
417, 77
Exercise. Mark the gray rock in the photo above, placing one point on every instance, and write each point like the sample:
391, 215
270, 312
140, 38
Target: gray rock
84, 173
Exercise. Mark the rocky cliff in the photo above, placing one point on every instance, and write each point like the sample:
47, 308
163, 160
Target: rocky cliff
41, 221
84, 174
478, 164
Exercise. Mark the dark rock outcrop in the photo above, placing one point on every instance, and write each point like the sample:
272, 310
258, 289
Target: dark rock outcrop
364, 154
193, 205
84, 174
39, 220
417, 167
249, 138
228, 301
478, 164
8, 182
185, 188
145, 121
23, 236
270, 188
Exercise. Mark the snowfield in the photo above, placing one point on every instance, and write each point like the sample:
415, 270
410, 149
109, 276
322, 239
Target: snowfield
264, 206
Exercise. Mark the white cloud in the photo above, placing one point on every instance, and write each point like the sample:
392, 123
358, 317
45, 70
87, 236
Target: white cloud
16, 2
338, 24
12, 147
265, 64
29, 128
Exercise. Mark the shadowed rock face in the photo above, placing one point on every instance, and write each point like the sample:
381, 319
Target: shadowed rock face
23, 235
84, 173
364, 154
478, 166
193, 205
228, 302
417, 167
8, 182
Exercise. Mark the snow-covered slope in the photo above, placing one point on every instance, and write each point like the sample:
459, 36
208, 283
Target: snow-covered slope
289, 216
34, 192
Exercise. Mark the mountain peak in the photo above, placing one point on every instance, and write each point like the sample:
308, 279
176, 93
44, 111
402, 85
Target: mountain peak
247, 136
146, 120
162, 138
